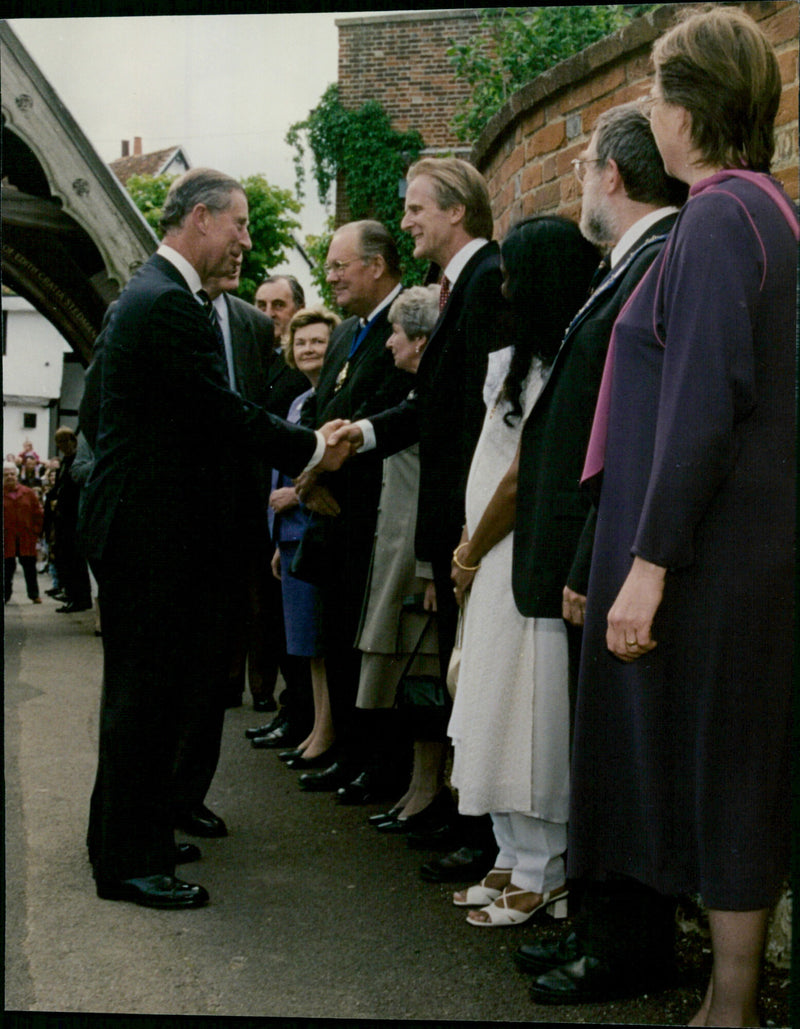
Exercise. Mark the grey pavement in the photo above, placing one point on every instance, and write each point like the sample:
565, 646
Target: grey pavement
313, 913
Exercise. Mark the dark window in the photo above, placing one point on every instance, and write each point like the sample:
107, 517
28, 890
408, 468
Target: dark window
28, 420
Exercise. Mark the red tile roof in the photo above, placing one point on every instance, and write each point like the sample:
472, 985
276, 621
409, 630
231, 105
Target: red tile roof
145, 164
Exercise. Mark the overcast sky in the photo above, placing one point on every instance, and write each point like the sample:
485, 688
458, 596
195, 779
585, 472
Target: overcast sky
226, 87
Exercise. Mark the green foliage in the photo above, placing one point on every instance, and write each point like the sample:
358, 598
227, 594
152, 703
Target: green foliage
271, 228
361, 151
148, 193
515, 44
317, 249
271, 222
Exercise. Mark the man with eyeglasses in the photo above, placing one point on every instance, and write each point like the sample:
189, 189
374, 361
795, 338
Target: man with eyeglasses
621, 943
358, 379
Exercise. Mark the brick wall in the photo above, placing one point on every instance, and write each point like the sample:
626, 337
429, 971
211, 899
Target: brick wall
526, 149
401, 61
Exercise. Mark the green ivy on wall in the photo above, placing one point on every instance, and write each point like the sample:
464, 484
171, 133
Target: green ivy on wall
361, 152
515, 44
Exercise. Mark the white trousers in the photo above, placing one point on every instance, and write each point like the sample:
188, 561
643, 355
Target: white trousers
532, 848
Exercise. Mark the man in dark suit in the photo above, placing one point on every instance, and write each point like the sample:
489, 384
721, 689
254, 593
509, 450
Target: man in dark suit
448, 214
160, 544
247, 336
358, 378
622, 940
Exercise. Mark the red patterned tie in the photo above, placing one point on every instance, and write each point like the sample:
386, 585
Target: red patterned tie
444, 293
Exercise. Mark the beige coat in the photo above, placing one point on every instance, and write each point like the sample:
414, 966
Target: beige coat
387, 634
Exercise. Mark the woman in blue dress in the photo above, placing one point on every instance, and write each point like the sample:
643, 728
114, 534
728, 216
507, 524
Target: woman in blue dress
304, 348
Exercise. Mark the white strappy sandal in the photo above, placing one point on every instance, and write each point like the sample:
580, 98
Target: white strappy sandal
500, 914
481, 894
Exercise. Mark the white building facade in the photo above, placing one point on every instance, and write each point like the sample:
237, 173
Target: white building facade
42, 379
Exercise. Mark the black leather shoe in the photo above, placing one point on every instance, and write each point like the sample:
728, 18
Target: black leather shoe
199, 821
70, 609
589, 980
154, 891
384, 816
264, 730
264, 704
303, 764
443, 837
186, 852
283, 736
328, 779
367, 788
290, 755
462, 865
539, 957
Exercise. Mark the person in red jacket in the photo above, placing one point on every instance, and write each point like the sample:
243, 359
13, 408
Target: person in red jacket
22, 527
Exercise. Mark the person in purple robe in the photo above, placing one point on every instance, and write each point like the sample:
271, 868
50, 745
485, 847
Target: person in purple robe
682, 735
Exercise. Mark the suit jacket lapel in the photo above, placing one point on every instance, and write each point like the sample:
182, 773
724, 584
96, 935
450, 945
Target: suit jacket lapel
169, 269
238, 327
609, 284
453, 305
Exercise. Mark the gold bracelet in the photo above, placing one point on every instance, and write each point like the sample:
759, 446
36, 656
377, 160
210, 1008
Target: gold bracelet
464, 568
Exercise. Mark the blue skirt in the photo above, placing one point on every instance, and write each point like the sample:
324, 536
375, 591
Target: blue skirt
302, 608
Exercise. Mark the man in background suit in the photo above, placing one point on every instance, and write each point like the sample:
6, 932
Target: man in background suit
358, 378
449, 217
280, 297
623, 937
160, 544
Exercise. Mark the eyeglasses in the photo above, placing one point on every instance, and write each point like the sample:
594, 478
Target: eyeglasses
578, 163
647, 103
337, 267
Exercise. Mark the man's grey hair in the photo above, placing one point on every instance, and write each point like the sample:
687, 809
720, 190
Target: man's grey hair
375, 240
198, 186
624, 135
416, 310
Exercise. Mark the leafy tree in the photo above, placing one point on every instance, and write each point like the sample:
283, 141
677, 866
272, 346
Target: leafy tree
148, 193
271, 227
271, 221
317, 249
515, 44
360, 150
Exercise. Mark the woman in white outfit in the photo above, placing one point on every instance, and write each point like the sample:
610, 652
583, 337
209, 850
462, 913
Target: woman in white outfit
510, 719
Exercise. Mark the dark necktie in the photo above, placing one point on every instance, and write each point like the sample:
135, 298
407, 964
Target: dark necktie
444, 294
211, 314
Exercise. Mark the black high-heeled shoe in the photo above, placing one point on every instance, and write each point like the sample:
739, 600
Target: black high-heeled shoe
290, 755
302, 764
384, 816
433, 816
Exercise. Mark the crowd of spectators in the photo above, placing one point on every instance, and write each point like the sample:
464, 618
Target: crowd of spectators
54, 548
612, 735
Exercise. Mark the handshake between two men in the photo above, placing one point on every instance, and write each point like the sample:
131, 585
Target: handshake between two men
342, 440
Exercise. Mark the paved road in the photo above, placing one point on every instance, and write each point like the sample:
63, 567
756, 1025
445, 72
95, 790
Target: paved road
313, 913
